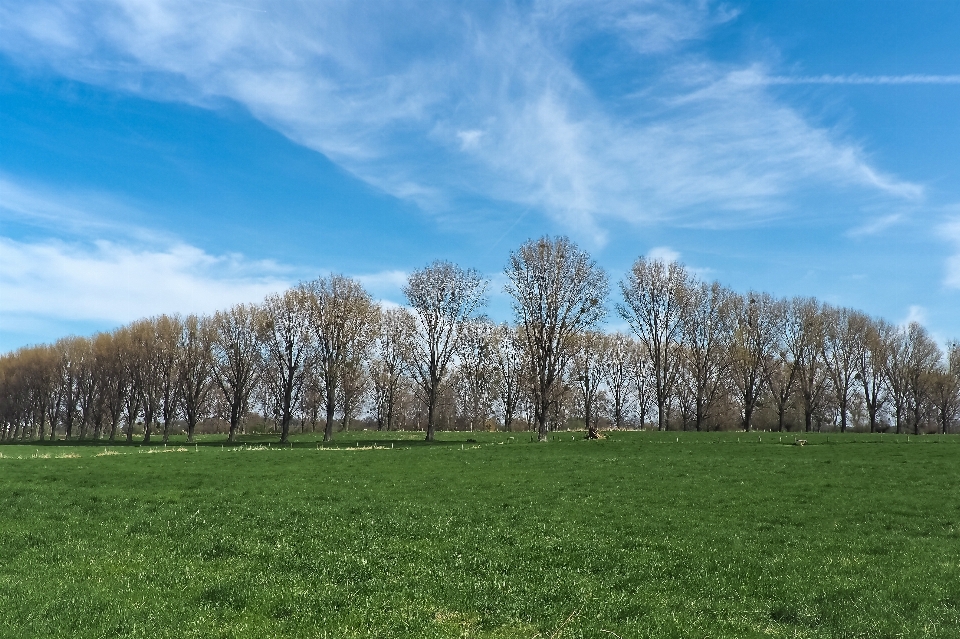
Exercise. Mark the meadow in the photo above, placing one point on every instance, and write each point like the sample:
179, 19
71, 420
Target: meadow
484, 535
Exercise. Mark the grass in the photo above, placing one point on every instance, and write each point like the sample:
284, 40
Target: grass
640, 535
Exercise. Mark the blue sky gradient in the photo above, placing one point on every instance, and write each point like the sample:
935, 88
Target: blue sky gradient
161, 156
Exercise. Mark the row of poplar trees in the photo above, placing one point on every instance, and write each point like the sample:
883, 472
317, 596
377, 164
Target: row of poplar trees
697, 356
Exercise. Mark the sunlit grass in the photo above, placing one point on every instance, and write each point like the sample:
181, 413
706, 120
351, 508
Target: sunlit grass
484, 535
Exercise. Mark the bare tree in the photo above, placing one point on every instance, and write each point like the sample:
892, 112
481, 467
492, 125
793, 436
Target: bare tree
386, 371
478, 371
781, 370
237, 359
946, 388
656, 295
353, 388
558, 293
923, 357
807, 353
133, 365
84, 382
145, 340
587, 372
73, 351
195, 368
119, 379
616, 363
843, 344
169, 329
507, 360
871, 373
285, 332
897, 373
443, 296
707, 330
343, 318
111, 382
46, 381
759, 318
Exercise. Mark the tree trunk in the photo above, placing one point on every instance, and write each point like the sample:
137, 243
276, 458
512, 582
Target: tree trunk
540, 414
328, 427
331, 406
431, 409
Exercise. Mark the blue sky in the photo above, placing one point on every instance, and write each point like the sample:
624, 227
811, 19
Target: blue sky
161, 156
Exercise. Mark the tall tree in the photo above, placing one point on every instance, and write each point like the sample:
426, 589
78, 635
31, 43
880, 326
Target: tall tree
196, 368
871, 373
897, 373
507, 358
237, 359
558, 293
477, 373
145, 340
946, 388
442, 296
394, 327
106, 371
169, 330
587, 371
343, 319
707, 330
48, 380
759, 320
288, 341
655, 297
807, 353
353, 388
843, 344
616, 363
782, 370
923, 357
119, 386
84, 372
134, 362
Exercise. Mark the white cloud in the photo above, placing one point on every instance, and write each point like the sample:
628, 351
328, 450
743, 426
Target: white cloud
392, 91
663, 254
916, 314
109, 282
105, 272
385, 286
878, 225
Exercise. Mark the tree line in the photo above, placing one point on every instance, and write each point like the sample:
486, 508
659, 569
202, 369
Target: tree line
324, 354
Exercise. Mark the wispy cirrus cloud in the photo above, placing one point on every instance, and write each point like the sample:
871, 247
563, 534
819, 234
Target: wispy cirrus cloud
916, 78
877, 225
392, 91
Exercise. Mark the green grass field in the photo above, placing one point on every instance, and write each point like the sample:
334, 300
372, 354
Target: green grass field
639, 535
